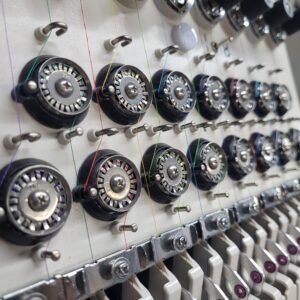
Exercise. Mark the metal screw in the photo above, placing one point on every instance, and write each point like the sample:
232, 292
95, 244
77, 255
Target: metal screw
92, 192
253, 207
206, 56
121, 267
256, 67
132, 227
53, 255
234, 62
179, 243
215, 46
76, 132
222, 223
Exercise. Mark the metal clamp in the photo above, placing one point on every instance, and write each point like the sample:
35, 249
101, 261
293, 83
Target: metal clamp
123, 40
159, 53
42, 33
13, 142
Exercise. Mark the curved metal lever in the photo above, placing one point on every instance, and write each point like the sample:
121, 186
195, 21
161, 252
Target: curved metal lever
170, 49
41, 33
13, 142
124, 40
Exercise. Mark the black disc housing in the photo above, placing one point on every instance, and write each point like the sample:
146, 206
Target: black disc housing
208, 162
174, 95
212, 96
108, 185
36, 200
55, 91
123, 92
166, 173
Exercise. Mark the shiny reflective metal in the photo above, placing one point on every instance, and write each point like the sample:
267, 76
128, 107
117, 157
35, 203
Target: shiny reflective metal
42, 33
206, 56
172, 49
216, 45
123, 40
94, 135
234, 62
13, 142
65, 136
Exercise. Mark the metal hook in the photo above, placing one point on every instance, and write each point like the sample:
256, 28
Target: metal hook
12, 142
41, 33
111, 44
159, 53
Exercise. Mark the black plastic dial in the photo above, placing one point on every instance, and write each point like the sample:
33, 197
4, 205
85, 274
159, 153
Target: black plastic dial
208, 162
166, 173
114, 181
240, 157
36, 199
282, 11
228, 4
264, 96
254, 8
212, 96
123, 92
174, 95
55, 91
265, 151
241, 97
292, 26
283, 97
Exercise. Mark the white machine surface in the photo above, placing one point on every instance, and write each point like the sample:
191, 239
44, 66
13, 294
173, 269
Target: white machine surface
84, 239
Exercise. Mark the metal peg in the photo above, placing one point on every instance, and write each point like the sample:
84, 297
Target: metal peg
215, 46
271, 176
123, 40
236, 123
132, 132
43, 253
153, 130
256, 67
159, 53
65, 136
234, 62
274, 71
287, 170
12, 142
179, 128
223, 123
222, 223
213, 196
172, 209
247, 184
203, 125
118, 228
206, 56
94, 135
42, 33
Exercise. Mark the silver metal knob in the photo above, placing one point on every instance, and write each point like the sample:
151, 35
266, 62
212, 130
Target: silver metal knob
12, 142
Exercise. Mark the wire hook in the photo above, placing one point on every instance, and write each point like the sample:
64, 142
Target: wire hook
41, 33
